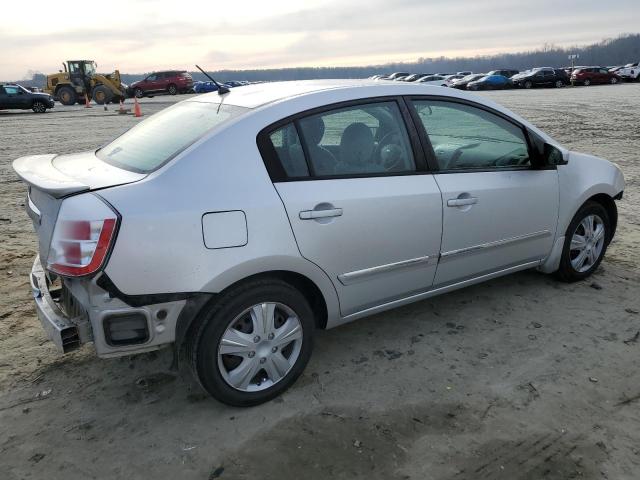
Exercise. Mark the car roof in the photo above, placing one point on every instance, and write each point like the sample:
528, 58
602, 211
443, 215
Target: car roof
259, 94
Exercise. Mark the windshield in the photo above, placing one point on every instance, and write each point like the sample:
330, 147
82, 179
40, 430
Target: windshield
155, 141
89, 68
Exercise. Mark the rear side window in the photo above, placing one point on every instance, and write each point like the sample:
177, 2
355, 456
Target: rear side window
357, 140
466, 138
159, 138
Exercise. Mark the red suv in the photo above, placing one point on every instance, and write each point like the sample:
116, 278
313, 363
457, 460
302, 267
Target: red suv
170, 81
593, 75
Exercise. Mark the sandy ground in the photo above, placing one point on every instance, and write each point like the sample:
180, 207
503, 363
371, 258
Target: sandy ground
519, 378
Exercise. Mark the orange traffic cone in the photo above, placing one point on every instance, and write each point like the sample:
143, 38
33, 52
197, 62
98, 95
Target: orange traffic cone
122, 110
136, 108
86, 101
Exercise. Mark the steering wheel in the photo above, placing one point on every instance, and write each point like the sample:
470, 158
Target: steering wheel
391, 163
457, 153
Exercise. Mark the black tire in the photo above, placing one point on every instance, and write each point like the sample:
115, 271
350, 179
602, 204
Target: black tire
528, 84
566, 272
101, 95
138, 93
38, 107
67, 95
614, 80
559, 84
587, 82
204, 338
172, 89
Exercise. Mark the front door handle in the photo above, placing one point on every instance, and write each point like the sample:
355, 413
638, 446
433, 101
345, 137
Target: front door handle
461, 202
314, 214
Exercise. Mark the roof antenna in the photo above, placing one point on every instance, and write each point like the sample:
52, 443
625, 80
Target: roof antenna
221, 88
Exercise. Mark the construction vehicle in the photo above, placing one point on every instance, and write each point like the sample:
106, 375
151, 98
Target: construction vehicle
79, 78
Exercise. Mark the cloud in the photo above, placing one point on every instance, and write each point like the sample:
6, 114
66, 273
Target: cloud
248, 35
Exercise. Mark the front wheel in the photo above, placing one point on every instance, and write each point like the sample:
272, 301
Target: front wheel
138, 93
587, 82
528, 84
614, 80
586, 242
253, 343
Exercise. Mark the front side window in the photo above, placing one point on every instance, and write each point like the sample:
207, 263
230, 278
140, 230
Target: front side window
159, 138
357, 140
466, 137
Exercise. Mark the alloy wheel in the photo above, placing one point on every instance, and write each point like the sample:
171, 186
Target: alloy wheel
39, 107
587, 243
260, 346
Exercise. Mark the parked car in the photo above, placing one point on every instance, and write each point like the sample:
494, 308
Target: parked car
541, 77
490, 82
631, 72
19, 98
214, 225
437, 80
593, 75
397, 75
414, 77
462, 83
170, 81
204, 87
504, 73
464, 73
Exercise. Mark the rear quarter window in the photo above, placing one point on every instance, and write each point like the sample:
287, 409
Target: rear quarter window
158, 139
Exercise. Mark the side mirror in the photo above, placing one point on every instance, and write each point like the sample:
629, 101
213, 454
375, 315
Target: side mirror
544, 154
552, 155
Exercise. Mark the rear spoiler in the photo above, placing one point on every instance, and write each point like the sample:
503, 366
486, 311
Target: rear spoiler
38, 171
64, 175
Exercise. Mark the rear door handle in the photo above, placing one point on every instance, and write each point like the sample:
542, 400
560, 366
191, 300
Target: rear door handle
313, 214
461, 202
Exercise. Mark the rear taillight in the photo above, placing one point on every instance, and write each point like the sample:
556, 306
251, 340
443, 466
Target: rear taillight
82, 237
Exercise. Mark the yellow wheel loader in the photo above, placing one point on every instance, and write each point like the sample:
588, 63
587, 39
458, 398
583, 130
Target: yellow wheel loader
79, 78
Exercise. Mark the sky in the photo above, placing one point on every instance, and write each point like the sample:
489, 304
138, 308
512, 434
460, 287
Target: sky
138, 36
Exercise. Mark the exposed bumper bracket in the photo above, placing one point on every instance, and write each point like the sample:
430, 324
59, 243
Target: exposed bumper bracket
66, 333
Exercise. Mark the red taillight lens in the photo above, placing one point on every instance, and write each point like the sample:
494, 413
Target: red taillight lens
83, 247
79, 247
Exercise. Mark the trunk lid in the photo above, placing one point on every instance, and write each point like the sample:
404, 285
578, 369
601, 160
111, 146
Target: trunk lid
50, 178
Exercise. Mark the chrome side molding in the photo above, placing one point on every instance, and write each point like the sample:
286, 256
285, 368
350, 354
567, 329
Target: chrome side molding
497, 243
361, 275
436, 291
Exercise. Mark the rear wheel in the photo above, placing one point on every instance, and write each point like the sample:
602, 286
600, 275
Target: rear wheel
39, 107
253, 343
173, 90
559, 83
586, 242
67, 95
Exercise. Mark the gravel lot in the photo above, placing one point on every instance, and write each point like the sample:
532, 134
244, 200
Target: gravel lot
519, 378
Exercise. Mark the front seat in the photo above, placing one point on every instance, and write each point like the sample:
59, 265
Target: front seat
322, 160
356, 148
